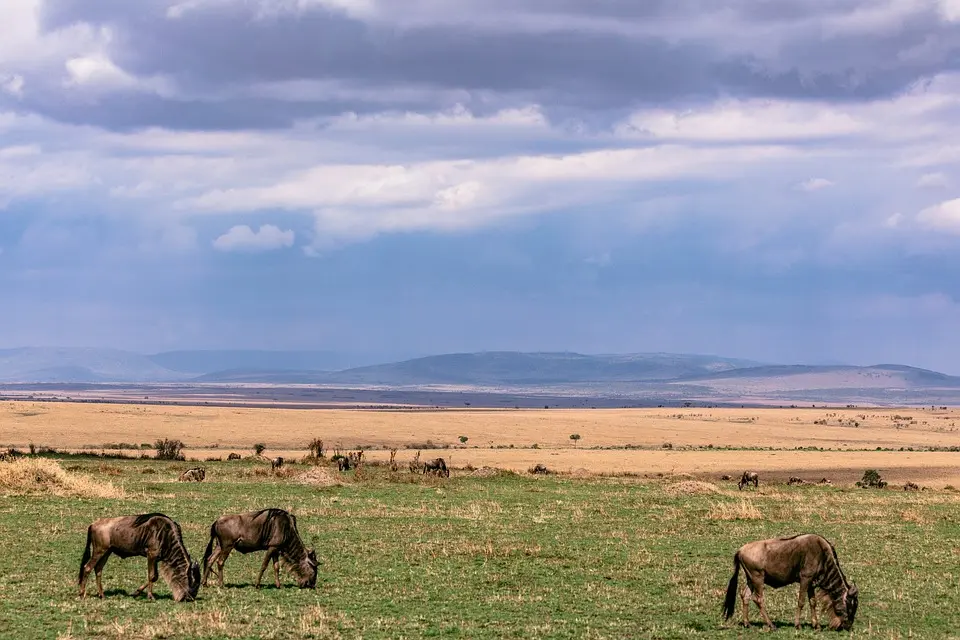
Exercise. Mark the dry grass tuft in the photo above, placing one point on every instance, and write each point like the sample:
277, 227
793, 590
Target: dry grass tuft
692, 487
319, 477
28, 476
742, 510
485, 472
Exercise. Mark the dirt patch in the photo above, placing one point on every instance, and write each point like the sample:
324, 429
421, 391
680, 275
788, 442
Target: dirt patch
29, 476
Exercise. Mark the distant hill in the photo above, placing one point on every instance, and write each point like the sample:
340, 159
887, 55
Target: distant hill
209, 361
505, 368
773, 379
52, 364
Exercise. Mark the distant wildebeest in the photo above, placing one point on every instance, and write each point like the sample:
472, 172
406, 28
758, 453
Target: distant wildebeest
153, 535
911, 486
233, 456
808, 559
270, 530
747, 478
343, 463
795, 480
197, 474
725, 477
437, 466
276, 463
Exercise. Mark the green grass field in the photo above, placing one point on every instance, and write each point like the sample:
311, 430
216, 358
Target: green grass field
478, 557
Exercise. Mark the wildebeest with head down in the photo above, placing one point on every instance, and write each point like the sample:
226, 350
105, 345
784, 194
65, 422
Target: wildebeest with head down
197, 474
437, 466
276, 463
808, 559
748, 477
153, 535
270, 530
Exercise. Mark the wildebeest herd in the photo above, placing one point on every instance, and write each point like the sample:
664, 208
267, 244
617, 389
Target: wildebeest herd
807, 559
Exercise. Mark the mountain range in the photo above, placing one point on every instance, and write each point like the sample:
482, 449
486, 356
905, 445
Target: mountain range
563, 373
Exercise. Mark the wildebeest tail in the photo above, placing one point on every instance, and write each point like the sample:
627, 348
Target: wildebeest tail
730, 602
209, 551
86, 553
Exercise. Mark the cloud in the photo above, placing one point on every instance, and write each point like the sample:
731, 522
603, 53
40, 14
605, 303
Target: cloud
944, 216
12, 84
936, 180
815, 184
242, 238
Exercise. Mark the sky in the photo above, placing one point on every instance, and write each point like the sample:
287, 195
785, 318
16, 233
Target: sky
767, 179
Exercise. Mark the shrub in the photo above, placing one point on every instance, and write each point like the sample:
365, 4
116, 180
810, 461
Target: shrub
259, 448
871, 478
316, 448
169, 449
463, 439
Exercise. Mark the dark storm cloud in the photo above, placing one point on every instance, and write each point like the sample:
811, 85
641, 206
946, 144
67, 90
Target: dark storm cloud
560, 54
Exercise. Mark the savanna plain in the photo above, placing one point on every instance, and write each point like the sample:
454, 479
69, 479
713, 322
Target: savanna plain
631, 535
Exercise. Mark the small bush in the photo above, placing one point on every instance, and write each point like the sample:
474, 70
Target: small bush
168, 449
316, 448
259, 448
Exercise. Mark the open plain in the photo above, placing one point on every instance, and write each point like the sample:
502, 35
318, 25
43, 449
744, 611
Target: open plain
907, 444
616, 543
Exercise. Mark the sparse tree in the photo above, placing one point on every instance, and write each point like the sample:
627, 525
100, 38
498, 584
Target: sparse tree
463, 439
316, 448
259, 448
575, 437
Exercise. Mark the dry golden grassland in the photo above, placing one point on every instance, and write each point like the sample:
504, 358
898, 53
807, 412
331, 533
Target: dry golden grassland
849, 438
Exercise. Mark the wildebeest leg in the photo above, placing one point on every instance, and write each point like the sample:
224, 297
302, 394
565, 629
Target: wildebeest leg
95, 563
221, 560
813, 607
755, 580
266, 562
745, 594
151, 576
801, 595
276, 569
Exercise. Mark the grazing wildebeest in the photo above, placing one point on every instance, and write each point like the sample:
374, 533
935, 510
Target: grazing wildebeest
747, 478
270, 530
233, 456
808, 559
153, 535
795, 480
437, 466
197, 474
343, 464
276, 463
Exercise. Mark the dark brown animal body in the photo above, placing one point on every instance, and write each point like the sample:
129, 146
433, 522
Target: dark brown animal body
437, 466
197, 474
807, 559
343, 464
748, 477
270, 530
233, 456
276, 463
151, 535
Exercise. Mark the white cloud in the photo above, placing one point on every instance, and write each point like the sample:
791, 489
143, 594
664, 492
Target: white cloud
815, 184
12, 84
893, 221
243, 238
943, 217
932, 181
96, 70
